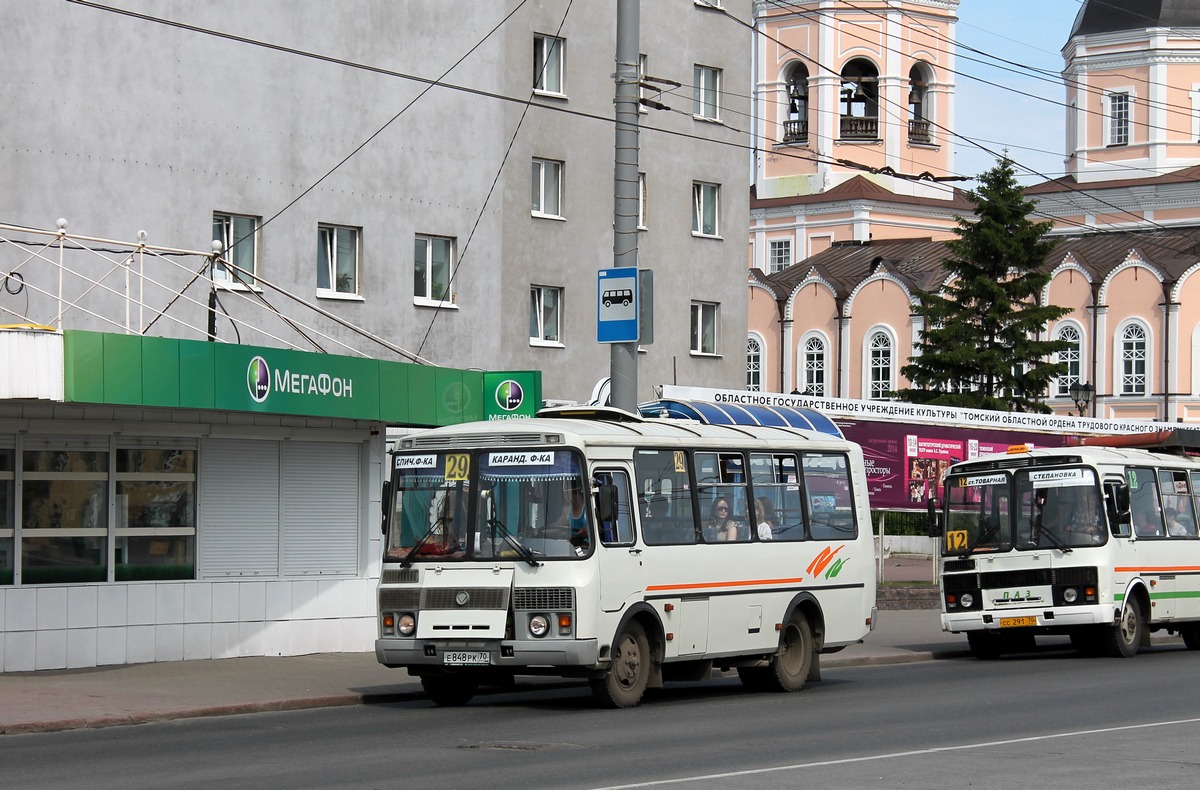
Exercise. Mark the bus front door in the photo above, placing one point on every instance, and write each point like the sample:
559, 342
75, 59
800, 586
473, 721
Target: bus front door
622, 579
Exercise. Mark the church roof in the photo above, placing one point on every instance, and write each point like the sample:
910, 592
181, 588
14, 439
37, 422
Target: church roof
1111, 16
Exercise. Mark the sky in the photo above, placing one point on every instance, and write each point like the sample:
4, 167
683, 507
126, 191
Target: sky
1029, 32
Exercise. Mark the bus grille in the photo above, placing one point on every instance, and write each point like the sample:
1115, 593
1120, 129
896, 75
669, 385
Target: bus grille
400, 576
952, 566
477, 598
474, 440
1076, 575
542, 598
399, 600
1040, 577
960, 582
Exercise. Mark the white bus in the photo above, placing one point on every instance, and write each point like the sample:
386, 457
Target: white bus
494, 566
1095, 542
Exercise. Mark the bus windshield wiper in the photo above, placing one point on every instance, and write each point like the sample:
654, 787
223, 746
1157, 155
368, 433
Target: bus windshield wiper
523, 552
408, 559
984, 537
1038, 529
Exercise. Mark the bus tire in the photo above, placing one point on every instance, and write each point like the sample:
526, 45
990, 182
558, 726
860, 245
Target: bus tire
1191, 635
789, 668
449, 691
1123, 638
628, 672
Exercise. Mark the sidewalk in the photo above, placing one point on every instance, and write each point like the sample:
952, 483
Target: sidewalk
55, 700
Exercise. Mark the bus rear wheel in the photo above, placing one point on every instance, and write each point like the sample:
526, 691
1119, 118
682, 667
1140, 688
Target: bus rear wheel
1191, 636
790, 667
449, 691
628, 672
1122, 639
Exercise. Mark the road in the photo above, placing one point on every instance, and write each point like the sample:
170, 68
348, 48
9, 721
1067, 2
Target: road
1049, 719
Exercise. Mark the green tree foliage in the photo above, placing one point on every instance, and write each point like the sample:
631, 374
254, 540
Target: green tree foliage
979, 347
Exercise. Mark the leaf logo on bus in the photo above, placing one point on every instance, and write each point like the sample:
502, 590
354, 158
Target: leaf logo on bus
825, 560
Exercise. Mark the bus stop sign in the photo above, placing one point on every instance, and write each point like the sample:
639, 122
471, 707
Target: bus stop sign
617, 305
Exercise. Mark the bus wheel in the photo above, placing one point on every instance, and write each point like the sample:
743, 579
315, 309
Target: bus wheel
1122, 639
449, 691
1191, 635
790, 666
628, 671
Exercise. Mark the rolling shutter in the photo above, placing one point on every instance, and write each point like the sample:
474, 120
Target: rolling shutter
321, 490
239, 508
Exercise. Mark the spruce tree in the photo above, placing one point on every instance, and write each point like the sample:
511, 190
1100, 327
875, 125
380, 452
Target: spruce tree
979, 347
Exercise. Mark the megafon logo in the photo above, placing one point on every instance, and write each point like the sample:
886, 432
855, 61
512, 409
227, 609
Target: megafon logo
258, 379
509, 395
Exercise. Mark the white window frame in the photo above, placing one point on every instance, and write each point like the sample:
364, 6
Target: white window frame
1136, 383
755, 357
706, 93
544, 172
775, 261
875, 386
641, 209
1073, 357
1118, 120
641, 73
705, 314
702, 194
537, 316
328, 236
428, 298
226, 231
549, 65
1194, 93
813, 358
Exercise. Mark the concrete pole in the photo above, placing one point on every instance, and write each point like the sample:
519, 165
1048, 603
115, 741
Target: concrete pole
623, 360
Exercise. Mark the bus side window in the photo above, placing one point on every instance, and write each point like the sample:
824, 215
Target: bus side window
616, 528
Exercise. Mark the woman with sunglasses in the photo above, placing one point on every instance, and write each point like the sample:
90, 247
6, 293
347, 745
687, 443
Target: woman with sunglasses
720, 521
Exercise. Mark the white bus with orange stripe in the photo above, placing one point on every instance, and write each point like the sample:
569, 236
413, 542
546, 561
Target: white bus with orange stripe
493, 566
1097, 541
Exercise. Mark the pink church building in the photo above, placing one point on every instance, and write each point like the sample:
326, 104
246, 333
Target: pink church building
854, 197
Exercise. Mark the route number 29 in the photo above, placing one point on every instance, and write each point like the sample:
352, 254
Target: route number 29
458, 466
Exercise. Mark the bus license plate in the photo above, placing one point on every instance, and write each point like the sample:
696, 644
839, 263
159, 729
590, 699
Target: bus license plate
466, 657
1017, 622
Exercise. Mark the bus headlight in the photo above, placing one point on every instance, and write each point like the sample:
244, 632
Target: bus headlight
406, 624
1070, 595
539, 625
966, 600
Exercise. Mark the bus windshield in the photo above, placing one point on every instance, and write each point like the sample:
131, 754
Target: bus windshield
489, 504
996, 511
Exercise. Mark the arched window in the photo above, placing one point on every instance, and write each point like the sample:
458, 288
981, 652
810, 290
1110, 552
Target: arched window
813, 367
880, 364
918, 103
795, 126
860, 101
1070, 356
1134, 348
754, 370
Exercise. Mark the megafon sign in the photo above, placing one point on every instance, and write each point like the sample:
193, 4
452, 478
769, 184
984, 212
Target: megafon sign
262, 381
282, 381
511, 395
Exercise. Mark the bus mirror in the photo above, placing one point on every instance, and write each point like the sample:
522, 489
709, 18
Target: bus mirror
606, 502
934, 529
1118, 509
386, 505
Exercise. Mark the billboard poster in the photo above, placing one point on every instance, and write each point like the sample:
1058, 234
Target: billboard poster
906, 462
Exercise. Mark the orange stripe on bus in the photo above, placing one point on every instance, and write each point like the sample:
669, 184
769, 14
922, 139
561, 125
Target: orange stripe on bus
1157, 569
710, 585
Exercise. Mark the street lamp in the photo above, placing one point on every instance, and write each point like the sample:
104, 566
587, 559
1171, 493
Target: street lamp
1082, 394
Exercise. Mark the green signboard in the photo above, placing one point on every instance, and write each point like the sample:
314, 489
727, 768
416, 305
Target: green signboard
190, 374
513, 394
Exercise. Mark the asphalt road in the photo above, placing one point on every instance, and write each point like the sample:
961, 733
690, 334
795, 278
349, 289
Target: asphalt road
1052, 719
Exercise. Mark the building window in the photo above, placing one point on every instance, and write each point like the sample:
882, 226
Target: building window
544, 316
641, 221
239, 238
1133, 360
547, 188
706, 93
880, 384
548, 64
706, 199
1069, 356
814, 367
859, 101
1118, 119
642, 83
795, 126
337, 260
704, 328
781, 255
754, 368
7, 478
918, 110
433, 268
156, 513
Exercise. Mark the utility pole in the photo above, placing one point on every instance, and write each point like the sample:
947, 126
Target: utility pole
623, 370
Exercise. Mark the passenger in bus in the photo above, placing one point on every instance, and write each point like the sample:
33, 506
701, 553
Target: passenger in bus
574, 516
1179, 524
766, 517
1147, 521
721, 524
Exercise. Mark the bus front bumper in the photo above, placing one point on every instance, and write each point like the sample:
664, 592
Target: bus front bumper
1047, 620
466, 654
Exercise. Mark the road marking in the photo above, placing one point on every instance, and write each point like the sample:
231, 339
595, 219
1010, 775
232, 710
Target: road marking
893, 755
